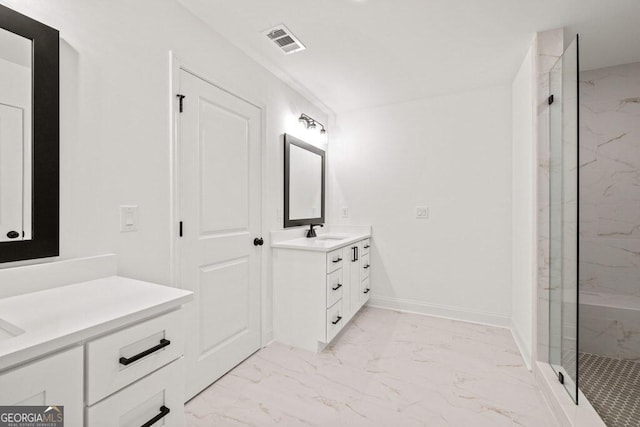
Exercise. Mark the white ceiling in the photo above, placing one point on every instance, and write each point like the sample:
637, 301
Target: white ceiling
363, 53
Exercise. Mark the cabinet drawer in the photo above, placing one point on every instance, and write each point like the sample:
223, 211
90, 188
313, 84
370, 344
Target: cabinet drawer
334, 287
365, 266
121, 358
365, 291
366, 244
335, 320
334, 260
160, 394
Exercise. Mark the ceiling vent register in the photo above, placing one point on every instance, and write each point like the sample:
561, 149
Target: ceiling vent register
284, 39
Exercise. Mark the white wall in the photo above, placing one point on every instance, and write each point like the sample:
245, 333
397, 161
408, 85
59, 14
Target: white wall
453, 155
115, 118
523, 194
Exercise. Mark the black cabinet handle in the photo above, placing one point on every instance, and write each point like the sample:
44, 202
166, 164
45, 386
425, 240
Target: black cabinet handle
366, 291
13, 234
337, 287
126, 361
355, 254
366, 247
335, 322
163, 413
366, 266
337, 260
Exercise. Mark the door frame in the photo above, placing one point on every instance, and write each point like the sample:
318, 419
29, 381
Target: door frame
176, 65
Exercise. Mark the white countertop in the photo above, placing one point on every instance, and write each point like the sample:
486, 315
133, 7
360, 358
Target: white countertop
338, 237
57, 318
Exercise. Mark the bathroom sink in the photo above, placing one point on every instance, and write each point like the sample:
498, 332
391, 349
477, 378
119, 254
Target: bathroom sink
331, 237
9, 330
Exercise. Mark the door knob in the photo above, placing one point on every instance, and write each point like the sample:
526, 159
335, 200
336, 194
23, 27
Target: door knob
258, 241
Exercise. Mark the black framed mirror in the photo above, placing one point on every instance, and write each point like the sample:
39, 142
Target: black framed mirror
304, 176
29, 138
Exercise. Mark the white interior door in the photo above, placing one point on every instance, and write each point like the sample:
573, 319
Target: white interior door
219, 204
11, 171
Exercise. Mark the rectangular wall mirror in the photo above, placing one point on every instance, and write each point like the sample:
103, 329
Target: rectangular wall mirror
16, 91
29, 138
304, 175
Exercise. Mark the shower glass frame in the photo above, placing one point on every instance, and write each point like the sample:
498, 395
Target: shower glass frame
564, 218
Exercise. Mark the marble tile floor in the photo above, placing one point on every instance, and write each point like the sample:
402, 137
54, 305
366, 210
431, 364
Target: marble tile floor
385, 369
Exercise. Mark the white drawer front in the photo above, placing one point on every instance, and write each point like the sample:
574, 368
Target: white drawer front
335, 320
366, 244
334, 287
107, 367
365, 291
143, 401
365, 267
334, 260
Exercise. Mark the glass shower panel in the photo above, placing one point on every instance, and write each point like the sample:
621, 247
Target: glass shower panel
563, 216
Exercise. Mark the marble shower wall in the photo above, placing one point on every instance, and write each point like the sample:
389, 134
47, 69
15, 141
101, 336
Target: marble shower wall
610, 180
610, 211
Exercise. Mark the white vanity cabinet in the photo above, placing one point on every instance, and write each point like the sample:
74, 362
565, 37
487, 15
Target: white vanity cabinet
125, 365
317, 288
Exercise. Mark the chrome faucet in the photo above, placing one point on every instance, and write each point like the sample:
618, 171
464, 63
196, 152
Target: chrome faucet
311, 232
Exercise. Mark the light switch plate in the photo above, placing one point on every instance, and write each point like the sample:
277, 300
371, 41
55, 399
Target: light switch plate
128, 218
422, 212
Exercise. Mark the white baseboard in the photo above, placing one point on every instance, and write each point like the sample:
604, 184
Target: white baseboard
454, 313
267, 337
520, 343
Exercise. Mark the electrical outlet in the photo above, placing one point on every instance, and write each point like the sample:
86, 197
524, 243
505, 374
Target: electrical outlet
422, 212
344, 212
128, 218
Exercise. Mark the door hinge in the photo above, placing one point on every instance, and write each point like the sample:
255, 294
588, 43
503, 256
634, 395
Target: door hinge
550, 101
180, 98
180, 232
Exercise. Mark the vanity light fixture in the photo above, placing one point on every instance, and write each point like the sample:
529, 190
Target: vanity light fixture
311, 123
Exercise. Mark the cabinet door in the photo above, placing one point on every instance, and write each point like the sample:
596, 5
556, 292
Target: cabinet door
355, 257
53, 381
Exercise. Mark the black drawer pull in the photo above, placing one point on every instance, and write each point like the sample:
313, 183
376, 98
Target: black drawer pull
335, 322
366, 266
336, 260
366, 247
126, 361
366, 291
337, 287
163, 413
